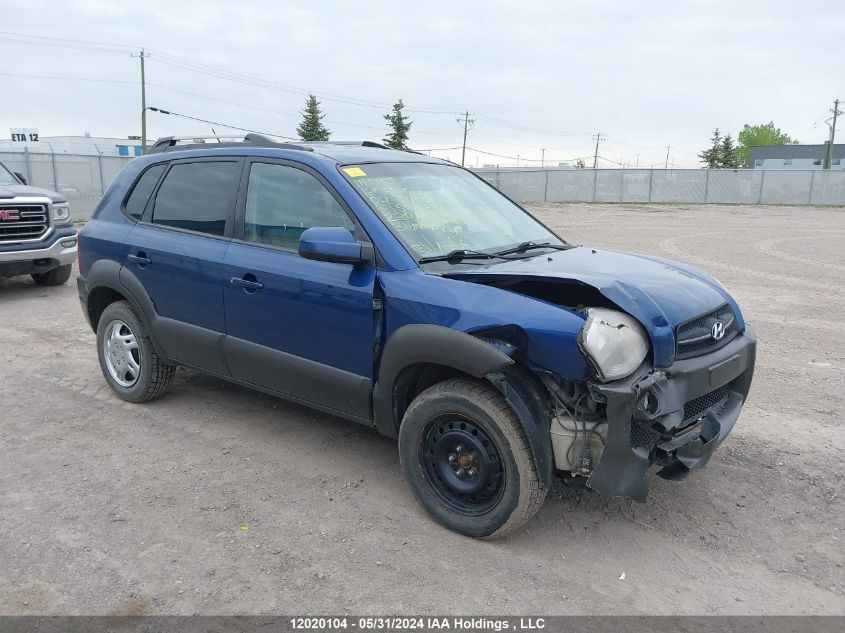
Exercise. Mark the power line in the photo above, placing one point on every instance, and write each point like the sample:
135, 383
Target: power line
231, 127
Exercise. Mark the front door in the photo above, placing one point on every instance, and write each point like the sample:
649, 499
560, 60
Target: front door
300, 327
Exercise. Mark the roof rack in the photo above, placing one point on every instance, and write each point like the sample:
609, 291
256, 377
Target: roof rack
171, 143
360, 144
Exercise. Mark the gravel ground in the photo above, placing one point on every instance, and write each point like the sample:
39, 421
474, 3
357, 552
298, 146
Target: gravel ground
218, 500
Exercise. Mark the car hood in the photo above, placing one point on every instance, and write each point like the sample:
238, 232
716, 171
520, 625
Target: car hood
13, 191
659, 293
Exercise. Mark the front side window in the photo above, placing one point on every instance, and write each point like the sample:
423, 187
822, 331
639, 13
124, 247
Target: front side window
143, 189
197, 196
6, 177
438, 209
282, 201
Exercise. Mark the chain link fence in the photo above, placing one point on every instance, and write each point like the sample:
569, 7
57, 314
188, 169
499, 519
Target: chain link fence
697, 186
82, 179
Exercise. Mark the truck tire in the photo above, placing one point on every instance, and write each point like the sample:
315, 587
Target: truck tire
467, 460
55, 277
129, 363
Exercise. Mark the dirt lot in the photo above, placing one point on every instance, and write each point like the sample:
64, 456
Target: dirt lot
216, 499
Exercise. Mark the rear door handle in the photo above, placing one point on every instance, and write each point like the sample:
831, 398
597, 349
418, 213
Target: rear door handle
246, 284
141, 259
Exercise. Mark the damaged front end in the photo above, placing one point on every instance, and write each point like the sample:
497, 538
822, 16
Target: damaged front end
612, 432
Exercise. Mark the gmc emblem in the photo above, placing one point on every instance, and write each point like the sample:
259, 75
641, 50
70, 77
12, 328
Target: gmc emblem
10, 214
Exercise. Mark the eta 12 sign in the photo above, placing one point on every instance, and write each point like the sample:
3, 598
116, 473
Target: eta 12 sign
24, 134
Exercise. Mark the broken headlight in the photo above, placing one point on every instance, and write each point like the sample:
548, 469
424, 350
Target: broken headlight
614, 343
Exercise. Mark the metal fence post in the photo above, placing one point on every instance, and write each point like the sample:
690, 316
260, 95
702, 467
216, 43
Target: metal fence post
546, 189
595, 177
621, 183
55, 173
812, 183
762, 179
650, 179
707, 185
28, 165
102, 181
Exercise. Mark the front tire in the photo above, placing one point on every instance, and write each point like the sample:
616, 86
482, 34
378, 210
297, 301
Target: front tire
55, 277
467, 460
127, 358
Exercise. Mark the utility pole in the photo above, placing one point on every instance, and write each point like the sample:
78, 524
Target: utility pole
142, 55
543, 159
467, 122
829, 159
638, 160
598, 139
517, 161
666, 164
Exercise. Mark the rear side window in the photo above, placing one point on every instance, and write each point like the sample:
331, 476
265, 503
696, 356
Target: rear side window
197, 196
142, 191
282, 201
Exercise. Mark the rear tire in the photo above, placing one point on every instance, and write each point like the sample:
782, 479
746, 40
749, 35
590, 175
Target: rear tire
55, 277
127, 358
467, 460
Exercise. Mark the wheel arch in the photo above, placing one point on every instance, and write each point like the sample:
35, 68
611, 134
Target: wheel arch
106, 283
419, 356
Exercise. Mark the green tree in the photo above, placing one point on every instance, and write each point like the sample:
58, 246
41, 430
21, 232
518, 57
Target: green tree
712, 155
312, 128
728, 153
399, 126
763, 134
580, 164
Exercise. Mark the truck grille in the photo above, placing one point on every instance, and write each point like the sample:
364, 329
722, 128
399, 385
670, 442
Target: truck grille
23, 222
695, 337
713, 401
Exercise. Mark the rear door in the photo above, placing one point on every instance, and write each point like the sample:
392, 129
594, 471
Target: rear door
176, 252
300, 327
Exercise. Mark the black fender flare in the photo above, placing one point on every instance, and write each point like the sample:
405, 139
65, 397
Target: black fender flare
529, 399
107, 273
435, 344
422, 343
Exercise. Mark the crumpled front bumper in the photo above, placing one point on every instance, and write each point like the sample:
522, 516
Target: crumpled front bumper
647, 423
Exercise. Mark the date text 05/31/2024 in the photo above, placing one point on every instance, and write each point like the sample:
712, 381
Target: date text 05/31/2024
418, 623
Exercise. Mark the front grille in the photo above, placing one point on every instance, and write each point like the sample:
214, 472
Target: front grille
695, 337
23, 221
643, 436
709, 402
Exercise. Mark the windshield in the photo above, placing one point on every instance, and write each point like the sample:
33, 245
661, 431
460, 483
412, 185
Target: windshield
438, 209
6, 177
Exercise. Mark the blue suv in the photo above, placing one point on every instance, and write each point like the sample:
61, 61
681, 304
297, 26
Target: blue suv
407, 294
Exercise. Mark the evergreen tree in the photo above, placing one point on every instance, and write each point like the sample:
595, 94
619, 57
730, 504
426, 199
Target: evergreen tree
728, 154
579, 163
312, 128
399, 125
712, 155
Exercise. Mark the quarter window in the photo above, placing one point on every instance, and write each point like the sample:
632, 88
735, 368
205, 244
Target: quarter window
282, 201
142, 191
197, 196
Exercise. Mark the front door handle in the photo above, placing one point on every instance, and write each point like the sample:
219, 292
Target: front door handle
141, 259
247, 282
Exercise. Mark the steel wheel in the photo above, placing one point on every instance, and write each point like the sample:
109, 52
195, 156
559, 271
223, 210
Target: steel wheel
462, 464
121, 353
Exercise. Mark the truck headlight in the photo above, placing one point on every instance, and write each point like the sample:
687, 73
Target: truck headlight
61, 214
614, 343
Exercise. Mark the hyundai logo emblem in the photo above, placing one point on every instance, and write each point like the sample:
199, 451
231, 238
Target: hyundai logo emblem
717, 331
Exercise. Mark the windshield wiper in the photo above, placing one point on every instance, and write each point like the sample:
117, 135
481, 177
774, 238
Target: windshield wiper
458, 255
528, 246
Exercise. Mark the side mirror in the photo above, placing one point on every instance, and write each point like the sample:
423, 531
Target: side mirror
20, 177
333, 244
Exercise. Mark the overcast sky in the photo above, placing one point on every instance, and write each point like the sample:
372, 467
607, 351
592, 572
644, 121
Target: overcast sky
532, 74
